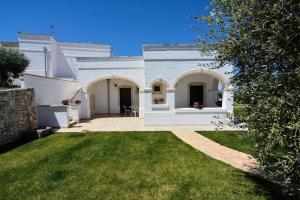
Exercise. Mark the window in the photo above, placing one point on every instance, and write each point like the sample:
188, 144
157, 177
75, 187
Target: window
158, 93
156, 88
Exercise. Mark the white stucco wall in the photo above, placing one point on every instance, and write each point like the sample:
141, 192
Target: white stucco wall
53, 116
184, 63
33, 48
185, 116
168, 62
50, 91
61, 56
175, 65
94, 69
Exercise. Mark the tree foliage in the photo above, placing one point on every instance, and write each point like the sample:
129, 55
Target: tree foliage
12, 62
261, 38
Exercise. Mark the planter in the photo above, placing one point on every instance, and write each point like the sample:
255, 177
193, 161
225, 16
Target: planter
78, 102
219, 103
65, 102
198, 105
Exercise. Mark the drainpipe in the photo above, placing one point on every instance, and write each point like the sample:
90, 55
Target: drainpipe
45, 57
108, 96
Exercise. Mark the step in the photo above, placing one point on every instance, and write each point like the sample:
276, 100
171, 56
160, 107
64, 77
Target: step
72, 123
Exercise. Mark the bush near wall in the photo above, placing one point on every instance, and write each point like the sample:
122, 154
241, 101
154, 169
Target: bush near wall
18, 114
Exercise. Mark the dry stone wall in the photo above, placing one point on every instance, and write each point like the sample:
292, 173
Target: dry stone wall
18, 114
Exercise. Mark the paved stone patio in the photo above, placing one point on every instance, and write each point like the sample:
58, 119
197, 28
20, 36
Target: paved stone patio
232, 157
121, 123
186, 133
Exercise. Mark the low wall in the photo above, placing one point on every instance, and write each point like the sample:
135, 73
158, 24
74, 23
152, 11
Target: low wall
186, 116
18, 114
55, 116
50, 91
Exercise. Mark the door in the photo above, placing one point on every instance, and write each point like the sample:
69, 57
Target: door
196, 94
125, 98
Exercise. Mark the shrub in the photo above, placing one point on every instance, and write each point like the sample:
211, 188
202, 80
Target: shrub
12, 62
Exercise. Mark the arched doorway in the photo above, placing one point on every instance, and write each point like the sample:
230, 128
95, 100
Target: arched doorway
113, 95
198, 88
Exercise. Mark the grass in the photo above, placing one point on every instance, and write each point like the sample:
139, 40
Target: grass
240, 110
128, 165
237, 140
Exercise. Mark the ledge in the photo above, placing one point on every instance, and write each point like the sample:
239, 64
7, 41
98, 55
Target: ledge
215, 110
159, 107
47, 77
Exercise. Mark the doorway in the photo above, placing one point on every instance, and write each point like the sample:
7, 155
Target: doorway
125, 99
196, 94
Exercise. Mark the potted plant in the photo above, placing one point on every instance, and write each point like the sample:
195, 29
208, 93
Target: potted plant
65, 102
78, 102
219, 103
161, 100
198, 105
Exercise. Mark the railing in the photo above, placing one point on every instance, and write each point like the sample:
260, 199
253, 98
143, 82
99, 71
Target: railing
71, 100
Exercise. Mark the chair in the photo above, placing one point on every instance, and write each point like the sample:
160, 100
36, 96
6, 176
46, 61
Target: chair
126, 110
134, 111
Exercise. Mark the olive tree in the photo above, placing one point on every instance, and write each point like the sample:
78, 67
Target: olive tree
12, 62
261, 39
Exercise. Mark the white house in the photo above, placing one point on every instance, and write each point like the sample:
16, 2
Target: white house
164, 85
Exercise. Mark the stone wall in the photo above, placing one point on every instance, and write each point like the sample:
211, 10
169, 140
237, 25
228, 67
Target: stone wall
18, 114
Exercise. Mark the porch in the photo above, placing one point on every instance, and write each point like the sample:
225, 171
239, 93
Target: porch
117, 122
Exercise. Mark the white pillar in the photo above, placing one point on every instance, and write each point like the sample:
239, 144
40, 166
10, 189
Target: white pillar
85, 111
227, 99
171, 99
147, 100
141, 104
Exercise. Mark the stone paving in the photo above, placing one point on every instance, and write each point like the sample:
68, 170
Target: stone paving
186, 133
121, 123
232, 157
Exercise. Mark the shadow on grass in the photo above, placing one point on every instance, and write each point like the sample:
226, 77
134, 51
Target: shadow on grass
23, 139
264, 186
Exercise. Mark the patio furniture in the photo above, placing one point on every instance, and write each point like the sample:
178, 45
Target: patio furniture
126, 110
134, 110
218, 103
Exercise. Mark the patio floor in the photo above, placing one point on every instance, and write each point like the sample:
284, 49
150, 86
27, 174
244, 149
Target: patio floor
116, 122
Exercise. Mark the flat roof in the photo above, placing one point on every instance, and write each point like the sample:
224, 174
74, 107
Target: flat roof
45, 36
168, 47
111, 58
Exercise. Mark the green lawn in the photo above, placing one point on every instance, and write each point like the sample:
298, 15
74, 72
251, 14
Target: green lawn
129, 165
239, 110
237, 140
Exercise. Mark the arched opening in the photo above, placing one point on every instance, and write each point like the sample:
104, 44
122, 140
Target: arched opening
113, 96
198, 90
159, 95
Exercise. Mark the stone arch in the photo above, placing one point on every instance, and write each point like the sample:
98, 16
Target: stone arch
214, 74
159, 97
85, 88
166, 83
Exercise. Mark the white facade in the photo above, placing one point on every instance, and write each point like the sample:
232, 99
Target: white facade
164, 84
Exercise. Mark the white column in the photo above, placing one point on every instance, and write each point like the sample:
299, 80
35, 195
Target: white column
147, 100
227, 99
85, 112
171, 99
141, 104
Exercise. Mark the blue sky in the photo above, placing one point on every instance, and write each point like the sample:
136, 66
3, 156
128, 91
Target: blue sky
125, 24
